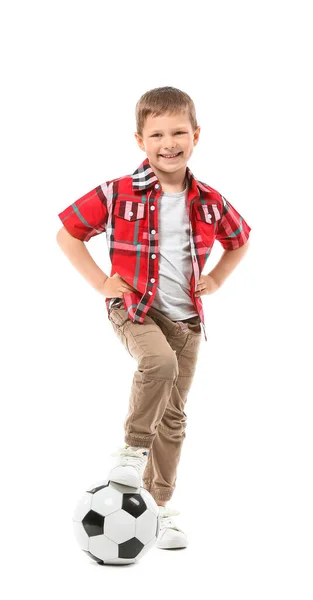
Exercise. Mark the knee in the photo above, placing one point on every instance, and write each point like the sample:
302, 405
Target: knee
160, 365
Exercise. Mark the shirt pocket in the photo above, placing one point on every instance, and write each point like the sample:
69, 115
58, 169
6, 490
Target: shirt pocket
207, 221
129, 221
208, 213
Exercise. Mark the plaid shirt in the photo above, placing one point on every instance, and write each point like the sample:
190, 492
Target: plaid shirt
126, 208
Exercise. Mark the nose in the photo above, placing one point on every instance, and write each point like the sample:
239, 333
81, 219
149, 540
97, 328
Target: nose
170, 144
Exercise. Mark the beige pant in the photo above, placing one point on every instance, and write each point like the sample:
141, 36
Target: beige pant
166, 353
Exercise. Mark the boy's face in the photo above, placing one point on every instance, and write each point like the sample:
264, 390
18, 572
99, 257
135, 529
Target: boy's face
168, 134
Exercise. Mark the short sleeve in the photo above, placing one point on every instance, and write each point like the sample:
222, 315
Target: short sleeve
233, 231
87, 216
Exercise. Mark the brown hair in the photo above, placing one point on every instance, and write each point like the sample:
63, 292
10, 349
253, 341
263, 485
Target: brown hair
162, 100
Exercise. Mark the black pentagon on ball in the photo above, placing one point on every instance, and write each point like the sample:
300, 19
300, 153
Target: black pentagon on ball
96, 489
93, 523
134, 504
130, 549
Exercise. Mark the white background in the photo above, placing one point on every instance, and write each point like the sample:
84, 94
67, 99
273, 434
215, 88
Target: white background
71, 76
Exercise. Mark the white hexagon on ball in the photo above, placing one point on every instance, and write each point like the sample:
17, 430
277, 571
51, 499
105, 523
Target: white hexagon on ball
120, 526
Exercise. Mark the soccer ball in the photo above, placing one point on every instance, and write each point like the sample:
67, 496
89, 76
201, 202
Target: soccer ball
116, 524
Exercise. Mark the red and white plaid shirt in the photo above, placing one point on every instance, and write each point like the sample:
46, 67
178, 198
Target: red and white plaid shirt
126, 208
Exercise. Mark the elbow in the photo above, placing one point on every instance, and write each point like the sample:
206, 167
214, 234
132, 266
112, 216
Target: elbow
58, 235
246, 244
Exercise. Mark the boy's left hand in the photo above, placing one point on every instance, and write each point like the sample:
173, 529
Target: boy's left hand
206, 285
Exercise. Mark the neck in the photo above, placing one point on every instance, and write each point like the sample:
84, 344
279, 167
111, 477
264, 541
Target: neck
166, 187
171, 182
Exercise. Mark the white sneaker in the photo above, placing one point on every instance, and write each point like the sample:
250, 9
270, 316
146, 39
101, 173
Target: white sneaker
170, 536
130, 465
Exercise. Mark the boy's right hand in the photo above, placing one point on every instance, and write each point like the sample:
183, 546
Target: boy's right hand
115, 287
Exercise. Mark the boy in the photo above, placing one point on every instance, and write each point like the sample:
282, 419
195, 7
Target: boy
161, 223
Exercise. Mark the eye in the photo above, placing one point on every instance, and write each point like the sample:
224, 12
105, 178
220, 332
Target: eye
155, 134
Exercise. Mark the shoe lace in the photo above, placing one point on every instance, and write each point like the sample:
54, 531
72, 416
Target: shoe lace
165, 520
133, 458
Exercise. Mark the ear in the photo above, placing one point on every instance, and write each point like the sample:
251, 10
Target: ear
196, 135
139, 141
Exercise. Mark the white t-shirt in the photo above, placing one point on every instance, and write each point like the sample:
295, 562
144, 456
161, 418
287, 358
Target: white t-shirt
175, 266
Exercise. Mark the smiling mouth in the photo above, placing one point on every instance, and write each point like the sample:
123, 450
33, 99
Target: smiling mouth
171, 157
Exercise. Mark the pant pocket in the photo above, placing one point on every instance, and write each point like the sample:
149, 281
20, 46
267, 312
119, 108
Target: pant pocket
194, 328
188, 327
119, 330
118, 316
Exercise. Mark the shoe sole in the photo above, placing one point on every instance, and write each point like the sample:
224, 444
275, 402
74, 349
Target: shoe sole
125, 481
170, 546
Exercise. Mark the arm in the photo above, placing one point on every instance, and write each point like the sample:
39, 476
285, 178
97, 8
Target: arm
227, 263
81, 259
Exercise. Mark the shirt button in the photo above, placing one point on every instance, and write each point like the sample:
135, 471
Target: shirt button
157, 186
152, 279
150, 293
152, 207
130, 213
153, 231
153, 255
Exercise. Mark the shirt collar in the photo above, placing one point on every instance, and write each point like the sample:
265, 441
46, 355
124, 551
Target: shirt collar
144, 177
